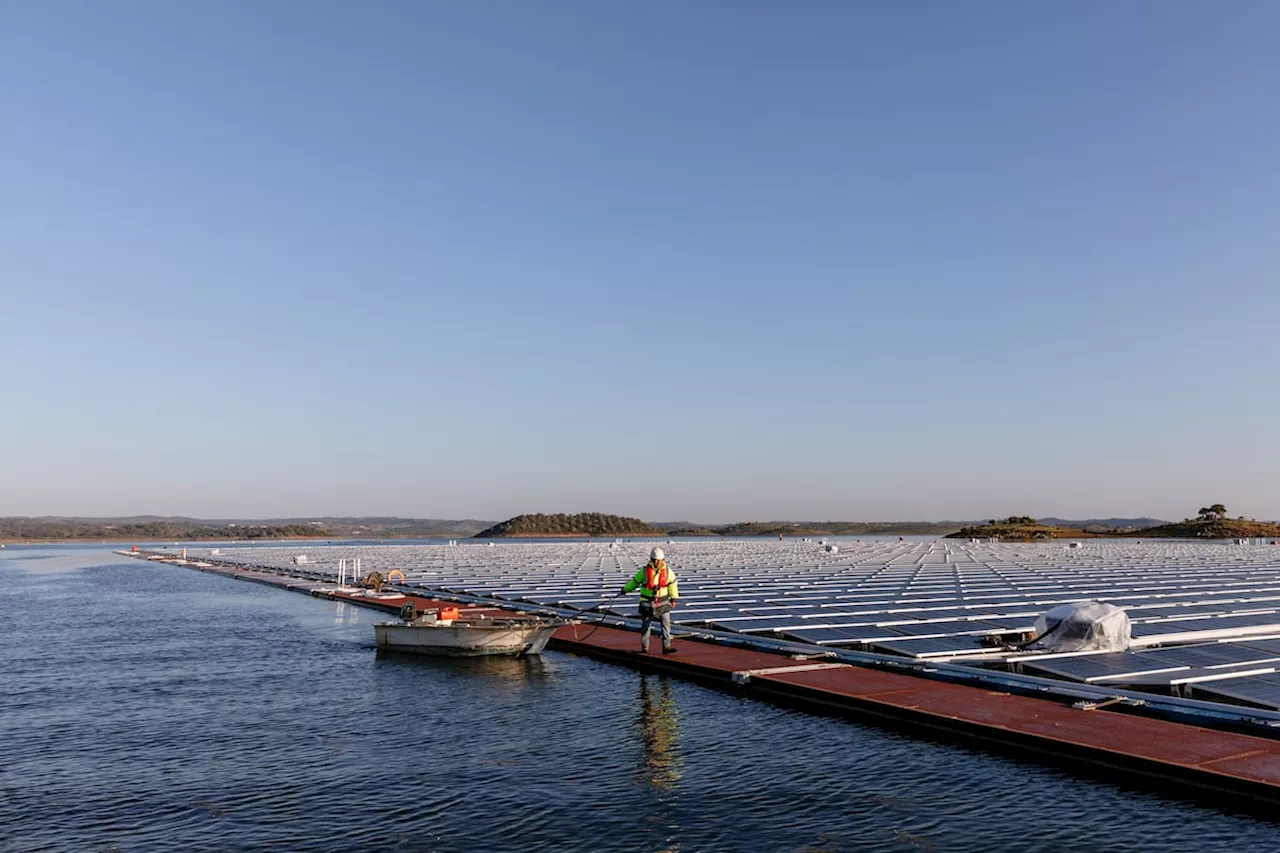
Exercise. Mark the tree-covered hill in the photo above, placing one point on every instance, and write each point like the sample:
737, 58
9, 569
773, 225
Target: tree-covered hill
683, 528
581, 524
1212, 523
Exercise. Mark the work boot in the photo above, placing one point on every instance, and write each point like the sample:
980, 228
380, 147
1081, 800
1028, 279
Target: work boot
644, 650
669, 650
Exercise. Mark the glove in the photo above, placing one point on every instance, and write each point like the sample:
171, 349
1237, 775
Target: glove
673, 604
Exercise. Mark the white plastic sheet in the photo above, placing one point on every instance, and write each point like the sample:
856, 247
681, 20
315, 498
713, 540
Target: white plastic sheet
1082, 627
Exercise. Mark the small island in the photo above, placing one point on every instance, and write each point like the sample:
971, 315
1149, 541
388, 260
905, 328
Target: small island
1211, 522
560, 525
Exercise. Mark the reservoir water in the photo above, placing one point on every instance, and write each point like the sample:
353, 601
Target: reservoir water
147, 707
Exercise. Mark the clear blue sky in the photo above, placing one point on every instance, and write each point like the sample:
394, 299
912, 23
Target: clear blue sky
703, 260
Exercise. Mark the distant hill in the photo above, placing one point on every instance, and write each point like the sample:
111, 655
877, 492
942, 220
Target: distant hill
582, 524
1215, 528
834, 528
683, 528
405, 528
23, 529
1105, 523
179, 527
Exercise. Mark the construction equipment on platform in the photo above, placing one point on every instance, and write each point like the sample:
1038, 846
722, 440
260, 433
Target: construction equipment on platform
373, 581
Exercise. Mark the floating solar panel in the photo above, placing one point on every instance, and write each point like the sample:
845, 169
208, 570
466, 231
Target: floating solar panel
1261, 691
1091, 668
932, 647
825, 636
1215, 655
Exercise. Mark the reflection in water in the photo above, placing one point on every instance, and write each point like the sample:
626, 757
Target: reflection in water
347, 614
660, 733
514, 672
661, 763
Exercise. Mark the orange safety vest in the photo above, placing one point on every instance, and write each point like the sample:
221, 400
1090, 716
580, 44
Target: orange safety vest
655, 581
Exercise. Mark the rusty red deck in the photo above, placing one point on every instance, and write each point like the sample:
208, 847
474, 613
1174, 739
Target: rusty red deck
1239, 768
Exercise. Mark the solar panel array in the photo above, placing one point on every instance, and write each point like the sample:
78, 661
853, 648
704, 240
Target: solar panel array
922, 599
1241, 671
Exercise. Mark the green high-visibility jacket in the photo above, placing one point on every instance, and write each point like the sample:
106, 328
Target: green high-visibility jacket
654, 580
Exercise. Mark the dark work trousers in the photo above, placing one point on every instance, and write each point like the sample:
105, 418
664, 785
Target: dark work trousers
650, 611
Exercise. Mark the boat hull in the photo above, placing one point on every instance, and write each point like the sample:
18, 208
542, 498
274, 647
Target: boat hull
464, 640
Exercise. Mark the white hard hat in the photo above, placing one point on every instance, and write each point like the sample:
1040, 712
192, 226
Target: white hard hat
656, 554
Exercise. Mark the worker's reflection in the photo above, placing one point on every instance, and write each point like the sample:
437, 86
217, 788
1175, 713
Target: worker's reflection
660, 733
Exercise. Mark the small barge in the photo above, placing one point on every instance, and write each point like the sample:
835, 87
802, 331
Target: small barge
445, 632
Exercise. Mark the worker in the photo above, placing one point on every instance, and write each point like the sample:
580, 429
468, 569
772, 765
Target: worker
658, 594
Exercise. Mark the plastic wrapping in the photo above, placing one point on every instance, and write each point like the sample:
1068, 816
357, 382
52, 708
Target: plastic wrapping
1083, 626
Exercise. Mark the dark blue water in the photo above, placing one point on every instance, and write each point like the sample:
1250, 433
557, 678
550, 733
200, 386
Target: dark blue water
147, 708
